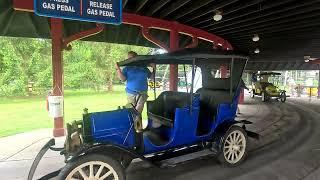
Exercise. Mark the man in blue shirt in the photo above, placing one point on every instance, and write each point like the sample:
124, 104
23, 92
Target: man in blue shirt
137, 85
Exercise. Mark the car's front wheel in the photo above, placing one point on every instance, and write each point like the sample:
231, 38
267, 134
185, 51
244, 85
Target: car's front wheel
93, 166
234, 147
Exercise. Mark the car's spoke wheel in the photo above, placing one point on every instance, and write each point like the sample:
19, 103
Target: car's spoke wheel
234, 147
93, 167
93, 170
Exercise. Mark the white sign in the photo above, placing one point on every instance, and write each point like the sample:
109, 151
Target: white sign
55, 106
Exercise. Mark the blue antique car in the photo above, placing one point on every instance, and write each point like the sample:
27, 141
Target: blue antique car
103, 144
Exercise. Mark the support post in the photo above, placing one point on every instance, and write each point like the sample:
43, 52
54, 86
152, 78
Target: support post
57, 69
319, 82
174, 45
223, 71
241, 97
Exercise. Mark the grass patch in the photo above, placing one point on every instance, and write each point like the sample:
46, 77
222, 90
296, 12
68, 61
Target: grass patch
22, 114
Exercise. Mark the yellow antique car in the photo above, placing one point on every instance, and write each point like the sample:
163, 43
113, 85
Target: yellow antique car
266, 89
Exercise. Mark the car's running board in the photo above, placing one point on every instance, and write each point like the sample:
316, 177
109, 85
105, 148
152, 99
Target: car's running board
174, 153
185, 158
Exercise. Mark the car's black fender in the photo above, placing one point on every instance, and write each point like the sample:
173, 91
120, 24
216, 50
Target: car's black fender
224, 127
111, 150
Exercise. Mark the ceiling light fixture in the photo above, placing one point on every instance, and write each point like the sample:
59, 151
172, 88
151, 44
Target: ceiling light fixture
255, 38
257, 51
218, 15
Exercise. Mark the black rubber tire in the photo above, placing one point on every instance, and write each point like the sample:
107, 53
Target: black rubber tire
93, 157
283, 97
221, 157
263, 96
252, 93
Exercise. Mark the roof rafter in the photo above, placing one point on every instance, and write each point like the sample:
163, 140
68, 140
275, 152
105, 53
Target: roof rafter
156, 7
140, 5
274, 23
193, 7
173, 7
209, 10
303, 14
241, 16
228, 11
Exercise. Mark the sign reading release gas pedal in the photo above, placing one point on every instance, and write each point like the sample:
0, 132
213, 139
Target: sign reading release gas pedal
102, 11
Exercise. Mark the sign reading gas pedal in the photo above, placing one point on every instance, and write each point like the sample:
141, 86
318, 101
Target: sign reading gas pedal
102, 11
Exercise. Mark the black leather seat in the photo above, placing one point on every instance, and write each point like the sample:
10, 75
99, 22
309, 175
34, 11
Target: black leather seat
209, 101
162, 109
156, 138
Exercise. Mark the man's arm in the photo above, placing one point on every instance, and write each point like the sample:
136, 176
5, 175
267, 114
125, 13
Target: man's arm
120, 74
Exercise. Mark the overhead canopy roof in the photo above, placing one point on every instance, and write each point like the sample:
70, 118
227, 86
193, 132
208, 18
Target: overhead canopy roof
185, 56
288, 29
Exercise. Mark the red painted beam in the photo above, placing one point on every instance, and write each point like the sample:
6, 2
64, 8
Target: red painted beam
81, 35
23, 5
317, 61
174, 45
193, 44
145, 32
149, 22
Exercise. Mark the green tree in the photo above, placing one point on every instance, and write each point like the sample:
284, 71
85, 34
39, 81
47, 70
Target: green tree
87, 65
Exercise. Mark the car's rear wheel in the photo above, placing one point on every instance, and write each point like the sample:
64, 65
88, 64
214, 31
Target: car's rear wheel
283, 97
264, 96
234, 147
93, 166
252, 93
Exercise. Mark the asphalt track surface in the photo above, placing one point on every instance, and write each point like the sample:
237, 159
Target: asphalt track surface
289, 148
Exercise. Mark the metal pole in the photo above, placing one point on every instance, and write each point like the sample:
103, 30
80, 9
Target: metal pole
192, 83
57, 69
185, 76
154, 83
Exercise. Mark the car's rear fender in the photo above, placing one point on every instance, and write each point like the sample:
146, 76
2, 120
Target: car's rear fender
225, 126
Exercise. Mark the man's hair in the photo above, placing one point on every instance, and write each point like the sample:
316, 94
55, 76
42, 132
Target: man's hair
132, 53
